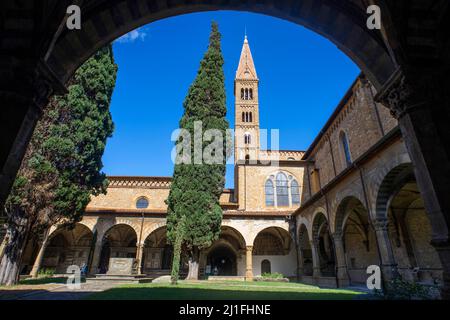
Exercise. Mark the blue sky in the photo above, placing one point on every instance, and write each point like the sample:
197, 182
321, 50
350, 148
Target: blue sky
302, 76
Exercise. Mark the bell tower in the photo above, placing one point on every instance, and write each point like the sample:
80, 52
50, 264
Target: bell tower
247, 144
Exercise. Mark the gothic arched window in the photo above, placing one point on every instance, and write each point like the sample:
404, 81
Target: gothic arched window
246, 94
251, 117
295, 192
345, 148
243, 116
269, 191
282, 190
242, 94
251, 94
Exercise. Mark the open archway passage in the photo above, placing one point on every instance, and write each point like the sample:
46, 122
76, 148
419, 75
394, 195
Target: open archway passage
67, 247
222, 262
118, 242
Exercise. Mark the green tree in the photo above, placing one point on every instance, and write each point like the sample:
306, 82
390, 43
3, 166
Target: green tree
196, 187
62, 166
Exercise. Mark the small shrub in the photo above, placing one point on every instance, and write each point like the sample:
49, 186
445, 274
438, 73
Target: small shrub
399, 289
275, 275
46, 272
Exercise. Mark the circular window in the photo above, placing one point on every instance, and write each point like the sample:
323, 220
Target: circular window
142, 203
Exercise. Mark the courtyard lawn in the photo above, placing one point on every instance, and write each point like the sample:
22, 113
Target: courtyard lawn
204, 290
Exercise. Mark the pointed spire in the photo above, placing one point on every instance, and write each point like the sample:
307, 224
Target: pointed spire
246, 68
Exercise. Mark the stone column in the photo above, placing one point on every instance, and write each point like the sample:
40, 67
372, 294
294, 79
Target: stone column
341, 262
249, 264
316, 259
300, 260
25, 87
96, 255
420, 100
139, 256
38, 262
388, 264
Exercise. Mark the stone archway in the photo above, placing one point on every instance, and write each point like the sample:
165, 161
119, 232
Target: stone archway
359, 248
68, 247
409, 227
275, 245
118, 242
409, 65
226, 253
324, 246
306, 258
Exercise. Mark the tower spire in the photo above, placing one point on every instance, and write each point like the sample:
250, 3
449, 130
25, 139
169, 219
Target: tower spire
246, 68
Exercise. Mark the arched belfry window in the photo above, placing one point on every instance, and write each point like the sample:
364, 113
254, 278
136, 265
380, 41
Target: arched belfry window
282, 190
251, 117
246, 94
269, 191
242, 94
295, 192
251, 94
243, 116
345, 148
247, 138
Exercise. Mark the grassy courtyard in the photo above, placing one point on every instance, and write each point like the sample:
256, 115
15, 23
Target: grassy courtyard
203, 290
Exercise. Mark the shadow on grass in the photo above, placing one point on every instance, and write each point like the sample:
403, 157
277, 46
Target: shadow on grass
177, 293
47, 280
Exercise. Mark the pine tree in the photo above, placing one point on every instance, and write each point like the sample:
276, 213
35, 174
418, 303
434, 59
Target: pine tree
196, 188
62, 166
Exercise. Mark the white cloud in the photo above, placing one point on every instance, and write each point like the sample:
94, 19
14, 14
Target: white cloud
136, 35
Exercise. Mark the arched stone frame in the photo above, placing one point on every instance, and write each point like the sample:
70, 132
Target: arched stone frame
352, 17
237, 226
80, 254
149, 228
404, 252
239, 252
355, 251
354, 190
305, 258
282, 256
281, 233
326, 260
104, 225
259, 227
375, 178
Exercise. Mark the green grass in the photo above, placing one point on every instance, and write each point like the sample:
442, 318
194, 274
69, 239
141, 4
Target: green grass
223, 291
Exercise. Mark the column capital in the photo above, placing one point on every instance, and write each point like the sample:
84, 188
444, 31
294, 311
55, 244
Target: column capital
249, 248
403, 93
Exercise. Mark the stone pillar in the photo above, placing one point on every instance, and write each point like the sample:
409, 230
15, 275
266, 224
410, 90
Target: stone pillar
139, 256
25, 87
249, 264
420, 101
341, 262
38, 262
300, 260
96, 255
388, 264
316, 259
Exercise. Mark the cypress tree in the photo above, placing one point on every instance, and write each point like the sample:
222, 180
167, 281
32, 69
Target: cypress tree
194, 212
62, 166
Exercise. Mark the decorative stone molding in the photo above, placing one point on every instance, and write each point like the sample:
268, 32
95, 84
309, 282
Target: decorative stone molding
140, 182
